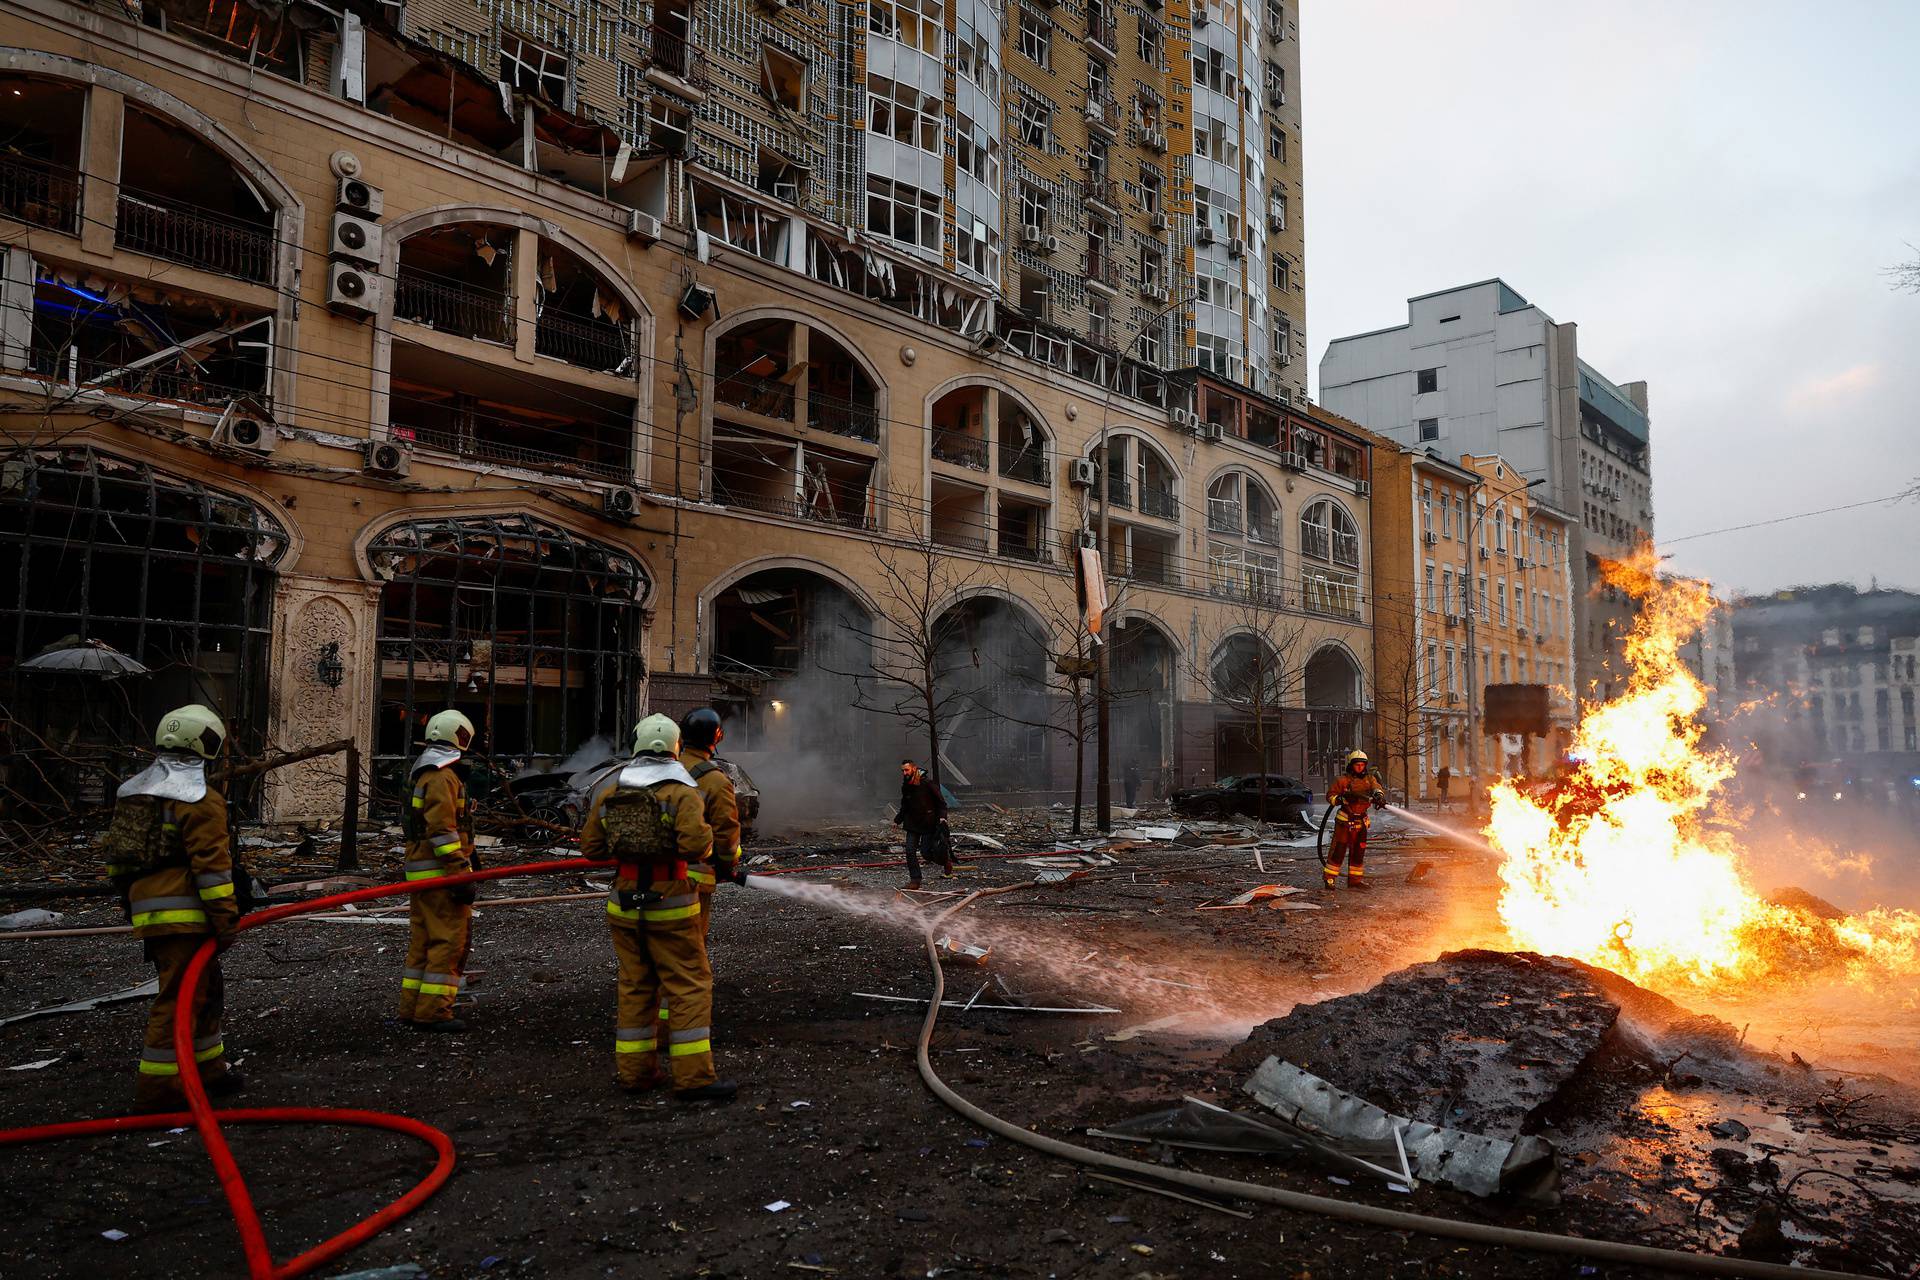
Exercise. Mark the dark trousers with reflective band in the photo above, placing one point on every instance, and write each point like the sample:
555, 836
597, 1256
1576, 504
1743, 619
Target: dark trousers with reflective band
439, 933
159, 1079
663, 970
1349, 845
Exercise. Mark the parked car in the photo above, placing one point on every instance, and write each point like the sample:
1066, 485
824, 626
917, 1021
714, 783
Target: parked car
1287, 799
562, 798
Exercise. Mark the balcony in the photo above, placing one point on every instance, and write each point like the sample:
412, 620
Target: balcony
471, 445
1119, 492
46, 195
584, 342
1102, 191
959, 541
767, 397
1161, 503
1026, 550
854, 421
793, 509
161, 228
456, 309
960, 449
1102, 30
1028, 463
674, 54
1223, 516
1103, 271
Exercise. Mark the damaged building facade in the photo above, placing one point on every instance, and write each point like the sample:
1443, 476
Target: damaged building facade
555, 361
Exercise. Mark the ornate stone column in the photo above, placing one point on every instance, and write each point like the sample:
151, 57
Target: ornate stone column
320, 621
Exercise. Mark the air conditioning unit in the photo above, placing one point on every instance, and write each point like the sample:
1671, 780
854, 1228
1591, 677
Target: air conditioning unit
352, 289
1030, 235
1211, 430
1081, 473
1096, 112
386, 458
1184, 419
248, 427
1052, 244
1200, 19
1276, 220
1158, 222
1156, 291
1522, 562
1485, 554
643, 227
1276, 95
356, 238
621, 503
1293, 461
355, 196
1363, 488
1432, 538
1203, 234
1156, 139
1236, 248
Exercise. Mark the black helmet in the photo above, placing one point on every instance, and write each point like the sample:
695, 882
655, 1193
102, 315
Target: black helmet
701, 728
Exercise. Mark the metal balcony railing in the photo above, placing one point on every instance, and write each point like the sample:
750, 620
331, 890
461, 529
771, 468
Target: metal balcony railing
458, 309
855, 421
674, 54
1028, 462
1264, 529
1022, 549
764, 396
46, 195
959, 540
960, 448
176, 380
1103, 269
470, 444
1101, 191
1119, 492
584, 341
163, 228
1153, 570
1102, 28
1223, 516
791, 508
1163, 503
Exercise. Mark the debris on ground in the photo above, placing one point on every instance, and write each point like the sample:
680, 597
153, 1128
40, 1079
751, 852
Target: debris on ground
150, 987
33, 918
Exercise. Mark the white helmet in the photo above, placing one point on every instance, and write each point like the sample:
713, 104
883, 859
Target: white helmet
656, 735
191, 728
452, 728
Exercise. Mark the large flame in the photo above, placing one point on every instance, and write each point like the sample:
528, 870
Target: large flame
1619, 864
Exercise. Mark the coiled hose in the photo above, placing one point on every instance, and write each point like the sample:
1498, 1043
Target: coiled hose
1390, 1219
200, 1112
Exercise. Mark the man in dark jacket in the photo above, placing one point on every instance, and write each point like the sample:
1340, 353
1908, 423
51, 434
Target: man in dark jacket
922, 817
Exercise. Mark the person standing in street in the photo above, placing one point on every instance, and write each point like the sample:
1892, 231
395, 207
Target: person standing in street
439, 827
923, 813
700, 736
169, 853
1355, 792
650, 821
1130, 780
1445, 780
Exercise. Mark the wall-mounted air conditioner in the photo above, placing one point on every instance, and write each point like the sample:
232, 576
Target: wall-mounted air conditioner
247, 427
355, 238
621, 503
386, 458
352, 289
1081, 473
355, 196
643, 227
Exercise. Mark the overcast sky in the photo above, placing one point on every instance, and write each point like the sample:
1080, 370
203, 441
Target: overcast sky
1710, 188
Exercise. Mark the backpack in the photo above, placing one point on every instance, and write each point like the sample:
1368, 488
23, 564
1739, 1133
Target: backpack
640, 827
135, 843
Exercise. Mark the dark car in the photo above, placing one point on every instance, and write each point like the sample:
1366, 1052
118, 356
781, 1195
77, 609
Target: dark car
1239, 794
562, 798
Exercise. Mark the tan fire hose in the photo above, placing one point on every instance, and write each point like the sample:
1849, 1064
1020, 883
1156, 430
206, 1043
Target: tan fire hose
1390, 1219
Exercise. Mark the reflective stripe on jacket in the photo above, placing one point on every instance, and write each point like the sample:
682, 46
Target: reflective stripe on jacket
679, 899
196, 895
444, 815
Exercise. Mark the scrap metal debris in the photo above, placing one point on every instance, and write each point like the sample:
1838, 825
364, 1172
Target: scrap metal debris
148, 988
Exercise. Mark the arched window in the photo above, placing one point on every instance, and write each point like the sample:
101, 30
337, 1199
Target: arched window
1243, 538
534, 632
1330, 559
1247, 672
117, 557
980, 439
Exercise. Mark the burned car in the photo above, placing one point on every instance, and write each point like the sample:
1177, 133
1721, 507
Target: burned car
1239, 794
562, 798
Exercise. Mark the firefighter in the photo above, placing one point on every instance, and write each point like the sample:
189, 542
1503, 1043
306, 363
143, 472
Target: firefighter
168, 851
700, 738
439, 826
650, 821
1355, 791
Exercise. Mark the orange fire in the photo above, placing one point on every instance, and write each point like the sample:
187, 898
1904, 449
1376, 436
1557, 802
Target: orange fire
1626, 864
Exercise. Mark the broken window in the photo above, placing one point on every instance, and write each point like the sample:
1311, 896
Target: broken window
473, 410
1150, 186
899, 111
529, 67
177, 576
667, 126
915, 23
182, 200
266, 36
534, 632
1151, 41
783, 78
1036, 207
578, 315
903, 213
41, 122
96, 333
1036, 38
459, 279
1036, 120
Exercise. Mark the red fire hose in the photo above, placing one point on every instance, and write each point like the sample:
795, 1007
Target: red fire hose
253, 1240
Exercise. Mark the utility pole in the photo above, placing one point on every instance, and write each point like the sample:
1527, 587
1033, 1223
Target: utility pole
685, 401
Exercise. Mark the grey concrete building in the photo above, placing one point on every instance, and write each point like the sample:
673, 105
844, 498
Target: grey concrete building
1480, 370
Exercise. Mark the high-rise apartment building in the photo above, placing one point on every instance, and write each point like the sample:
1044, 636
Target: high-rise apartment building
557, 360
1480, 370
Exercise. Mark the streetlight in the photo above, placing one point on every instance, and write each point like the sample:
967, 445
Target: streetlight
1473, 605
1103, 787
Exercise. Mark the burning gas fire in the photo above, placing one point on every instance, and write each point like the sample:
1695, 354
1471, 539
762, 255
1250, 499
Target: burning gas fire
1618, 865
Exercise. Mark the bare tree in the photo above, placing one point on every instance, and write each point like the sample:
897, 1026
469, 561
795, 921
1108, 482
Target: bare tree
1906, 275
1255, 665
1404, 691
910, 635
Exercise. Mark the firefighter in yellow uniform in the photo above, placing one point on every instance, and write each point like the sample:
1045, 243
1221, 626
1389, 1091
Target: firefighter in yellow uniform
700, 737
650, 821
1355, 791
439, 827
168, 851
